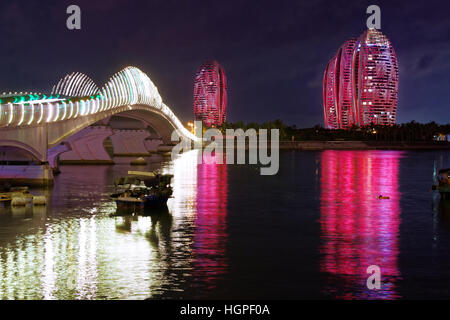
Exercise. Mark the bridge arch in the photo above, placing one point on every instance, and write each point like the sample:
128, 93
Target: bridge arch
39, 122
22, 146
61, 131
129, 89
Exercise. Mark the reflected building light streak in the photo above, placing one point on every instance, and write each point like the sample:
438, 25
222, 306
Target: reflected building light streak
48, 276
20, 269
2, 276
92, 258
142, 226
210, 237
19, 278
9, 274
87, 274
358, 229
82, 261
184, 169
41, 263
117, 264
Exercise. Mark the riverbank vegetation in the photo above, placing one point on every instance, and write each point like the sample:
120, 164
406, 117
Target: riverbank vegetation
410, 132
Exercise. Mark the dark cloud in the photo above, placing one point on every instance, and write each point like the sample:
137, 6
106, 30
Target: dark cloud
274, 52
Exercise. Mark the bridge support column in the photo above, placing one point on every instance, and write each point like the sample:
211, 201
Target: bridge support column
165, 148
129, 142
86, 147
23, 160
53, 155
19, 175
152, 144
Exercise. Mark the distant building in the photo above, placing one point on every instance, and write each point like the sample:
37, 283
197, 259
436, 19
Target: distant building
442, 137
210, 94
360, 84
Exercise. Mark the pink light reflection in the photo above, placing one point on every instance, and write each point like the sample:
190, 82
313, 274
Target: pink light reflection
211, 234
357, 228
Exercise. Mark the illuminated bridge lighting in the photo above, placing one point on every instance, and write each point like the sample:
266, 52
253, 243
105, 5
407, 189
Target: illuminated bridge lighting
360, 84
75, 84
76, 96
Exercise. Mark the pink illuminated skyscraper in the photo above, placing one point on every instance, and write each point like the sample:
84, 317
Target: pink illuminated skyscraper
330, 93
210, 94
361, 83
345, 99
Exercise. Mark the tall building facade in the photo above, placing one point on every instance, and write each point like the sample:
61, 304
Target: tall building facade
360, 84
210, 94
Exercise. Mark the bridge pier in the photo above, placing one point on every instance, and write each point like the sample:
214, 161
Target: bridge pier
164, 148
86, 147
152, 144
129, 142
34, 175
38, 135
53, 155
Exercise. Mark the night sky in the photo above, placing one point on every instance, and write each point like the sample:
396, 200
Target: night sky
274, 52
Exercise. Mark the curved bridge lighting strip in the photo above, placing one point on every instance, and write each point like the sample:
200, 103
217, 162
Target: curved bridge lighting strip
129, 86
75, 84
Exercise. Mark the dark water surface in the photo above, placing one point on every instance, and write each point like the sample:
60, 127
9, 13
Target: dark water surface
309, 232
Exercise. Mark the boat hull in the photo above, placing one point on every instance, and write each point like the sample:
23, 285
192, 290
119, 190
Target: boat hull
147, 204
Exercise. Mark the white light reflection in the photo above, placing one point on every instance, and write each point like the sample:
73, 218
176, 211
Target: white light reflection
184, 169
1, 277
81, 274
48, 276
86, 285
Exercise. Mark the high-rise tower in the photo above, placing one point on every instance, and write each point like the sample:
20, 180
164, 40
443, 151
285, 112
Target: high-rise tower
361, 83
376, 79
210, 94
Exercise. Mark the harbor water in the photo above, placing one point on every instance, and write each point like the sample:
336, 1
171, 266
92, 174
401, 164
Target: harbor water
309, 232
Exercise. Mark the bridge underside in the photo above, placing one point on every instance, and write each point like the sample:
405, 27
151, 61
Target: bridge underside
39, 149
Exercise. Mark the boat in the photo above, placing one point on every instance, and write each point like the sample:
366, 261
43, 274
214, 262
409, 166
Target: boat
142, 191
443, 183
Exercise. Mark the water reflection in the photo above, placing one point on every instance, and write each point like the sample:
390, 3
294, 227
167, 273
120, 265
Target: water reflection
210, 237
74, 248
441, 217
357, 228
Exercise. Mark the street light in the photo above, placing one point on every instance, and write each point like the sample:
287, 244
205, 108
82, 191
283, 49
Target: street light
191, 126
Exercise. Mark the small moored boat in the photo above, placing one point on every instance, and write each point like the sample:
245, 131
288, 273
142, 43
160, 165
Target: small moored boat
142, 190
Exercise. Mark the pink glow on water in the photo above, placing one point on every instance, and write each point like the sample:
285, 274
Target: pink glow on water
211, 234
357, 228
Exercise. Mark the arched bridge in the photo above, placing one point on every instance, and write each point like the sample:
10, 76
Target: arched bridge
36, 123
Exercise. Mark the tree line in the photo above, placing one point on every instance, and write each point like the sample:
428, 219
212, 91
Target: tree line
409, 132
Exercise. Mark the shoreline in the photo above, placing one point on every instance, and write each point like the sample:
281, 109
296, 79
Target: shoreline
363, 145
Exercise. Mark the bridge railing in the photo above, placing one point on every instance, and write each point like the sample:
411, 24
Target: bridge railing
129, 86
40, 113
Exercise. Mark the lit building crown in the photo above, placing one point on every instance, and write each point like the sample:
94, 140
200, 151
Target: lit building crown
360, 83
210, 94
